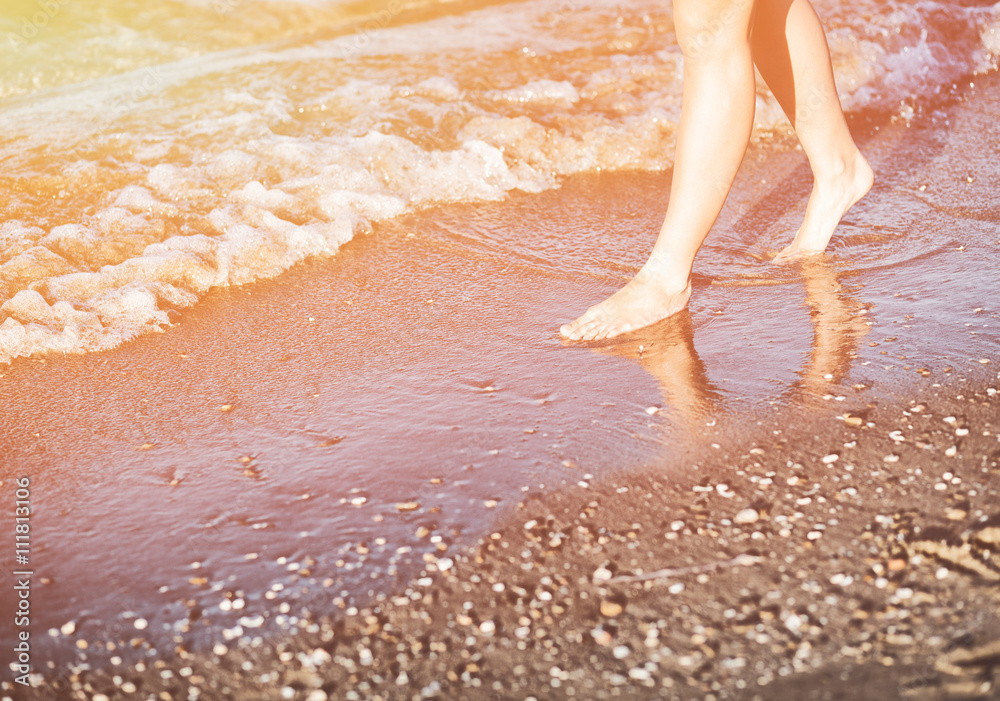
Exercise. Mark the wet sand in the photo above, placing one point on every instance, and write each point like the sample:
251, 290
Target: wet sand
791, 575
314, 496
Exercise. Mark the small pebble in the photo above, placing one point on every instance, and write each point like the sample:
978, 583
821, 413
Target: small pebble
746, 516
600, 636
611, 609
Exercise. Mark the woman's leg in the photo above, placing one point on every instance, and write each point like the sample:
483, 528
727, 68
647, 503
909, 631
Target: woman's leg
716, 120
791, 53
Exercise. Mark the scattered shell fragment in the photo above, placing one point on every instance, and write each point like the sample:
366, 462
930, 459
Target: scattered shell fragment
407, 506
746, 516
601, 636
611, 608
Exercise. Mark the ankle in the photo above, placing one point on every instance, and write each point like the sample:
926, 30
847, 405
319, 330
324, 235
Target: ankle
664, 272
667, 281
840, 167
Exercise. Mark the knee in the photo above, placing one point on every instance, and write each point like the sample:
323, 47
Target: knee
711, 25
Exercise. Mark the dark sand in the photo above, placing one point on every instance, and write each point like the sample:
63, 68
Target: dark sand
194, 526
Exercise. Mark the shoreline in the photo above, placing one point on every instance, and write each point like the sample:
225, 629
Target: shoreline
231, 459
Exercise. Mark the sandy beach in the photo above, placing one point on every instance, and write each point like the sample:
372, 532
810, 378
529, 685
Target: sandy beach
381, 474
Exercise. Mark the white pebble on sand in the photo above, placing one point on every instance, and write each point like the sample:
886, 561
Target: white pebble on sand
746, 516
602, 574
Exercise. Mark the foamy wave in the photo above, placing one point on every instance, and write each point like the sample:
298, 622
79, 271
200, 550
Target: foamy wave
237, 166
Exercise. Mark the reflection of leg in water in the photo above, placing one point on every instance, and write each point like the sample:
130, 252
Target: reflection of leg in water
666, 351
838, 325
791, 53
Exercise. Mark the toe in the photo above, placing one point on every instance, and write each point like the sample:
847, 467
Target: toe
577, 330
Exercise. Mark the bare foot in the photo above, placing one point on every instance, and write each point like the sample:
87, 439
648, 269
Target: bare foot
828, 203
646, 299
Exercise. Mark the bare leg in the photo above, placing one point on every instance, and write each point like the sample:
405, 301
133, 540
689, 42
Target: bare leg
791, 53
716, 120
